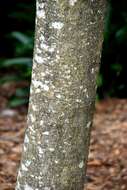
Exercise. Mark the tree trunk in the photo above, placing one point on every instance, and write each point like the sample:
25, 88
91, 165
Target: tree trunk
68, 41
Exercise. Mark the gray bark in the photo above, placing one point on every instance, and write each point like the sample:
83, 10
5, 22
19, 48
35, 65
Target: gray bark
67, 51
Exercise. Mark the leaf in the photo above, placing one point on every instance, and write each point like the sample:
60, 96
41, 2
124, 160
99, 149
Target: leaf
117, 67
99, 80
17, 102
22, 92
121, 34
24, 39
17, 61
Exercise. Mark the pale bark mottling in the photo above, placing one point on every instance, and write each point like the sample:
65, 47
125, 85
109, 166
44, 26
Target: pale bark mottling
67, 51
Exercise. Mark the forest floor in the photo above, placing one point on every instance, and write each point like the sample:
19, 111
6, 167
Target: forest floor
107, 165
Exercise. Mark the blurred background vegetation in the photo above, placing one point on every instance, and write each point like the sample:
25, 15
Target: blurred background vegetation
16, 49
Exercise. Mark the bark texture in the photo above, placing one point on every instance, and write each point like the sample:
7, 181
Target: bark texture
67, 51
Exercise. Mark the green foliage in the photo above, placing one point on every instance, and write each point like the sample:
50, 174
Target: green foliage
15, 101
17, 62
16, 49
99, 80
19, 98
22, 65
24, 43
113, 65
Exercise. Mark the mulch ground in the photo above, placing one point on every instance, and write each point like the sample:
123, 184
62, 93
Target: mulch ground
107, 165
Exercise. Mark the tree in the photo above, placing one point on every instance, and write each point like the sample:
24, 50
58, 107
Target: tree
68, 41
